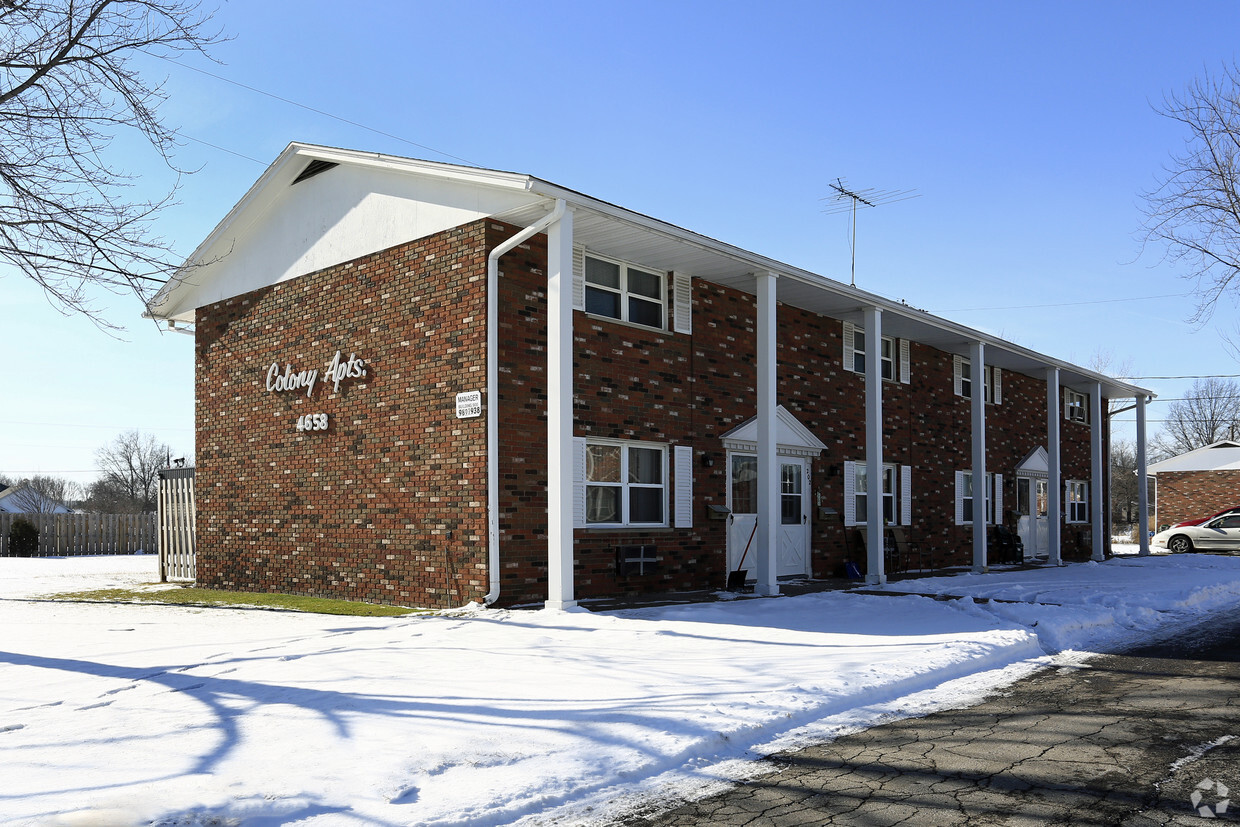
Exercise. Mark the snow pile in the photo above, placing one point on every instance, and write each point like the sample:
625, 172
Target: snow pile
124, 714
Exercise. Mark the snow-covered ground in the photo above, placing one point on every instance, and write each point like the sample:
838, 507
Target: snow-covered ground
137, 714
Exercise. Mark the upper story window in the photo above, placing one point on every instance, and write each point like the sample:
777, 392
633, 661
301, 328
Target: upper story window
1076, 406
622, 291
992, 380
894, 364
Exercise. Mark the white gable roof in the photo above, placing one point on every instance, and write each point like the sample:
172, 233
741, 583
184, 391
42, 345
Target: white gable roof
1035, 464
791, 437
290, 223
1221, 456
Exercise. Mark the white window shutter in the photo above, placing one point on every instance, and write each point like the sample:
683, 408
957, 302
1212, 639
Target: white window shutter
996, 378
579, 482
905, 363
850, 492
684, 486
579, 278
998, 499
960, 498
682, 302
956, 371
906, 495
849, 333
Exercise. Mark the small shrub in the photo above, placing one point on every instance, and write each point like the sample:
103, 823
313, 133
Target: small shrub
23, 538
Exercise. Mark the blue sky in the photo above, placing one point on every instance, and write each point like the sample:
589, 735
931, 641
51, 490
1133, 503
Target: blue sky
1027, 130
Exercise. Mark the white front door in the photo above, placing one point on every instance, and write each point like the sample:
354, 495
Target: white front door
793, 519
792, 554
1032, 525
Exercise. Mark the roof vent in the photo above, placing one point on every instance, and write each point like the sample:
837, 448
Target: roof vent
314, 168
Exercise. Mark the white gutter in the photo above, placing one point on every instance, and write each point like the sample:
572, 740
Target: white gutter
492, 401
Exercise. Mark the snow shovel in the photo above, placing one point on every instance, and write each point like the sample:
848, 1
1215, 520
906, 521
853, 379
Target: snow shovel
736, 579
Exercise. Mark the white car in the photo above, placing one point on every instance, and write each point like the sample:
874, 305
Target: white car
1218, 534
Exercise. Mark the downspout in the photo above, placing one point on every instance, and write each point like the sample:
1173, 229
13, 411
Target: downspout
492, 401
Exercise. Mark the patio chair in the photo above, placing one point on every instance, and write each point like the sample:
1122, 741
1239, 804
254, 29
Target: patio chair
907, 549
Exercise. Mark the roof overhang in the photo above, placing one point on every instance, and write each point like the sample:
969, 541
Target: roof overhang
612, 230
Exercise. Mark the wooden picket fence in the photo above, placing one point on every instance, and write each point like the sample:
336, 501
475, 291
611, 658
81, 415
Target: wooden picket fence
177, 534
74, 535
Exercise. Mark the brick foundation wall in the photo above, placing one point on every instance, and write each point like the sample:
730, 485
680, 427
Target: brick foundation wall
1188, 495
386, 505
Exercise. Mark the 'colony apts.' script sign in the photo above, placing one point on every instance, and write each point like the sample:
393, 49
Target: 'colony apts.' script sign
338, 369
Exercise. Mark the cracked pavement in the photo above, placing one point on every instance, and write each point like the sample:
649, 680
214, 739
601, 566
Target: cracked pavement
1123, 739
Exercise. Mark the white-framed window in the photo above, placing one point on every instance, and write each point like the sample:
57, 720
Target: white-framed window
895, 499
1076, 406
894, 361
625, 292
966, 497
1076, 497
992, 380
625, 483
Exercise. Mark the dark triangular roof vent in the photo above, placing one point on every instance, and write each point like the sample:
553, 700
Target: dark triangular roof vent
314, 168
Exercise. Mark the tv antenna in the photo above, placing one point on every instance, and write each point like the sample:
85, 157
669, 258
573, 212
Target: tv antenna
866, 198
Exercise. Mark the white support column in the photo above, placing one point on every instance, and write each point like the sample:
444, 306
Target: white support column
1143, 493
1054, 486
981, 492
1096, 498
876, 573
768, 462
560, 413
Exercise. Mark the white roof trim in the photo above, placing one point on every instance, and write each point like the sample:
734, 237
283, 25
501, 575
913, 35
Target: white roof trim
791, 437
1035, 464
1223, 455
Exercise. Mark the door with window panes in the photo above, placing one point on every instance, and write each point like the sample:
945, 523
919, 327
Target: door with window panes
792, 551
1032, 524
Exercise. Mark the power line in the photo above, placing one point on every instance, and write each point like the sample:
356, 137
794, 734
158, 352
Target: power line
325, 114
1200, 376
1071, 304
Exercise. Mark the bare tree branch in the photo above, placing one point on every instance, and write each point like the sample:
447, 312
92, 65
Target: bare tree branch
1195, 210
69, 87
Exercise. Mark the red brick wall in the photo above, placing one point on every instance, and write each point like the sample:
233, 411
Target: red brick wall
388, 504
676, 389
1187, 495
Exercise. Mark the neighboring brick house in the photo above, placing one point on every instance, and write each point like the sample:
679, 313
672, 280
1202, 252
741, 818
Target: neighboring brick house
1197, 483
662, 401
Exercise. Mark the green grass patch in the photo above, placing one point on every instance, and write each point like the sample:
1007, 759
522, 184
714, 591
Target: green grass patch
192, 596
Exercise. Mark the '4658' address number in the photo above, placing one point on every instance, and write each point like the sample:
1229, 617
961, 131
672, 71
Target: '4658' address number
312, 422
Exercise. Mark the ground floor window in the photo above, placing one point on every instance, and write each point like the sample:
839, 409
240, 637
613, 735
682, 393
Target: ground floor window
1078, 502
625, 483
894, 498
967, 494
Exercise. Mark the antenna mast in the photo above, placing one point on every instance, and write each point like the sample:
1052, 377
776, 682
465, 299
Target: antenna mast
869, 198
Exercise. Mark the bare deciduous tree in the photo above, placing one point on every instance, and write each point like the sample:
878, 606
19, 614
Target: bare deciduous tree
1195, 210
130, 467
69, 87
42, 494
1209, 412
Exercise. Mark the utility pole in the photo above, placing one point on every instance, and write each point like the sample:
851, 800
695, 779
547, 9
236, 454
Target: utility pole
867, 198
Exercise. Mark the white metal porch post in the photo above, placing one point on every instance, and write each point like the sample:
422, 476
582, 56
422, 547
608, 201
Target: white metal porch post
560, 413
875, 572
1054, 519
1143, 494
768, 467
981, 491
1096, 500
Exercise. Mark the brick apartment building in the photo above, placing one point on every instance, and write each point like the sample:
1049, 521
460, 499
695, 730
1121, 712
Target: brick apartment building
423, 383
